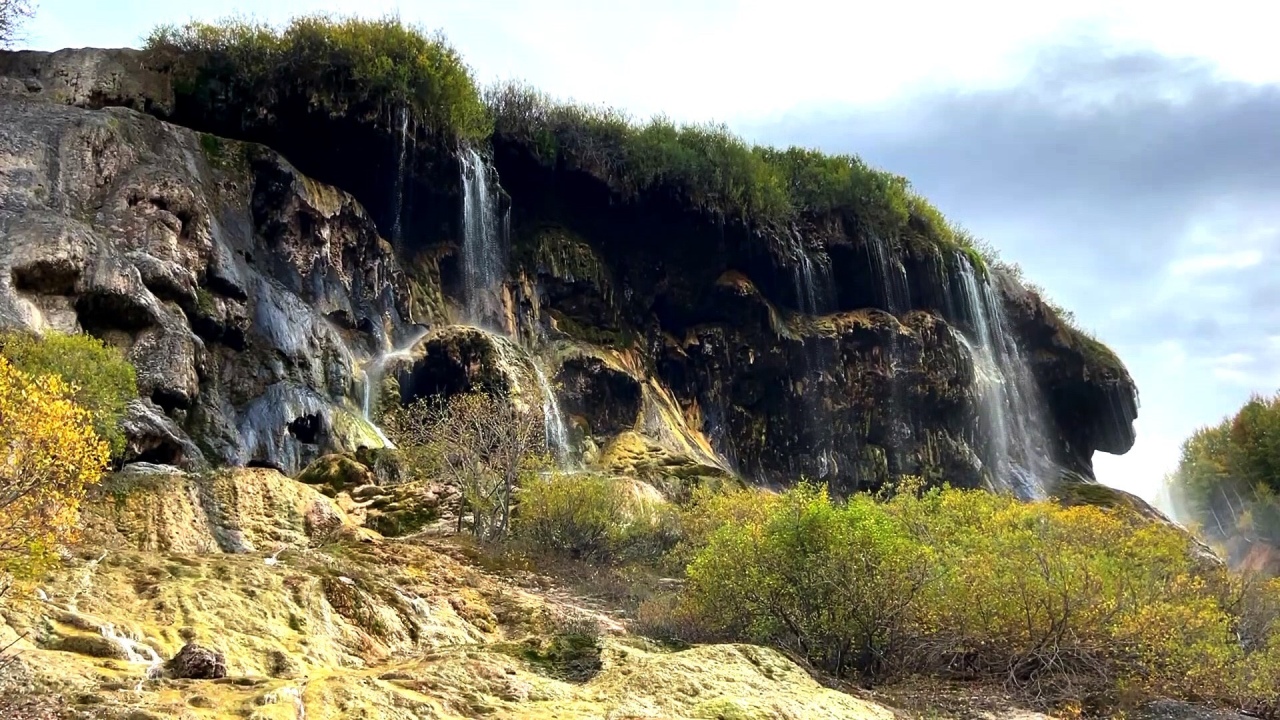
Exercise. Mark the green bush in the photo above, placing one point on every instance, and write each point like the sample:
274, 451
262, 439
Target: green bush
837, 583
103, 379
341, 64
594, 519
1060, 602
708, 168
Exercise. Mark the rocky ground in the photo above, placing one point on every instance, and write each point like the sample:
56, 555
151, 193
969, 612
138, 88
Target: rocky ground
279, 604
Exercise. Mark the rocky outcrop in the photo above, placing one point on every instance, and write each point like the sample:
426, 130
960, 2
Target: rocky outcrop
88, 77
244, 293
250, 296
160, 509
197, 663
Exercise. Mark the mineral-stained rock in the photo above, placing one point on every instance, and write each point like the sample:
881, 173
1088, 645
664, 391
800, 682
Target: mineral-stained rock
388, 503
161, 509
155, 438
197, 663
243, 292
250, 296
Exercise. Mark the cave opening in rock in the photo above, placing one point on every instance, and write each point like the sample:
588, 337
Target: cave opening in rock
307, 429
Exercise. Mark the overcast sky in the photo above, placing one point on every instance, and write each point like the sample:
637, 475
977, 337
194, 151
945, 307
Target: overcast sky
1127, 157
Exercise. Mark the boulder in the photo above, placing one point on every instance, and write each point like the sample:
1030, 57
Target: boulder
197, 663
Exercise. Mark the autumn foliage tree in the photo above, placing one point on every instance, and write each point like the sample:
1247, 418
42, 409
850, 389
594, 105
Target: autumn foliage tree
1228, 478
480, 443
49, 455
99, 377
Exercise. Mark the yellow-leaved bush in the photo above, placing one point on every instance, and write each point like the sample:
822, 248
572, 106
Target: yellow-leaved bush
51, 454
1062, 602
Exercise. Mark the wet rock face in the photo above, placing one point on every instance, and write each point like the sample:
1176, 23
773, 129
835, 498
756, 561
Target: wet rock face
856, 398
248, 295
819, 350
242, 291
197, 663
608, 399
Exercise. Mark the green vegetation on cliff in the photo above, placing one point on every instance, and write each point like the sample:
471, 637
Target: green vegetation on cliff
347, 66
708, 168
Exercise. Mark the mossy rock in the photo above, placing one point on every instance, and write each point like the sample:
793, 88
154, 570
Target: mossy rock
572, 657
91, 645
336, 473
403, 510
1072, 490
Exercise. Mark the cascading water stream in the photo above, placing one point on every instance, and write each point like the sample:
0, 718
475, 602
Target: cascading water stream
484, 242
556, 430
373, 374
1010, 397
134, 652
814, 297
894, 290
484, 255
397, 228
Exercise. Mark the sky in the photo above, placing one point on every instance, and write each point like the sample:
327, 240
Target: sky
1125, 154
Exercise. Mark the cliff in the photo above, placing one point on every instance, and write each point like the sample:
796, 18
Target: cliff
257, 261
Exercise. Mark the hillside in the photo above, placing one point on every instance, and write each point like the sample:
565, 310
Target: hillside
308, 243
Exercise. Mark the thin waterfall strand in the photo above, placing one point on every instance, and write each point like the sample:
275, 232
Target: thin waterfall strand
484, 240
556, 431
1010, 397
373, 371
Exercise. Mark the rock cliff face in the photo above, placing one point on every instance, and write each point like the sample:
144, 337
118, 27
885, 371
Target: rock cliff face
253, 297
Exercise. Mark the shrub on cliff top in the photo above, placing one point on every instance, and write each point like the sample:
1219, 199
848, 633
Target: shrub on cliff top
712, 170
345, 65
98, 376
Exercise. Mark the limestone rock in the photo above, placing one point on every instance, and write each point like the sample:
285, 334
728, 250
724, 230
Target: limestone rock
389, 504
155, 438
244, 293
250, 295
90, 77
197, 663
235, 511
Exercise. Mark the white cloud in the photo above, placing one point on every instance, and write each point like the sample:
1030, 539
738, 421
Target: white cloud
740, 60
1210, 263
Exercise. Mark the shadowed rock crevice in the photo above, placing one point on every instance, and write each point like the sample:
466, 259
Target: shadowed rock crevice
47, 277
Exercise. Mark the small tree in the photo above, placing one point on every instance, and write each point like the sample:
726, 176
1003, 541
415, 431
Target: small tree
49, 454
480, 443
12, 14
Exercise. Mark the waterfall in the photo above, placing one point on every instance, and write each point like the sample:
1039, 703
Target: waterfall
1010, 402
134, 652
373, 371
892, 276
484, 241
553, 420
484, 251
812, 282
895, 297
814, 296
397, 228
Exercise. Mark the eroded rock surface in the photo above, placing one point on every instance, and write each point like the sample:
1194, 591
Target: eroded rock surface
251, 298
244, 293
